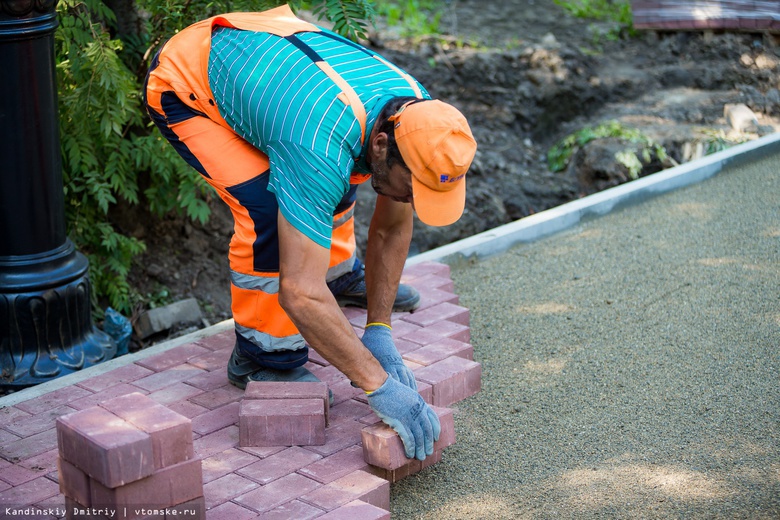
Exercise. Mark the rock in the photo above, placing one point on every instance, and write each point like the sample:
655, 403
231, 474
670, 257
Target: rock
740, 117
182, 313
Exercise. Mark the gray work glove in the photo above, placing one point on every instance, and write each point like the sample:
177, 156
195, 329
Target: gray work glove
379, 340
404, 410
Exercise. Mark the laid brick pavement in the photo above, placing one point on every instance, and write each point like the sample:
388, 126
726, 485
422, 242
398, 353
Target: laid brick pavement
331, 480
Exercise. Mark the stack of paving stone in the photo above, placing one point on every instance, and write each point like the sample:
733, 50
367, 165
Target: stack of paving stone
129, 457
741, 15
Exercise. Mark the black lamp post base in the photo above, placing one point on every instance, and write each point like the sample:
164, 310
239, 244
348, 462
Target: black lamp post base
46, 328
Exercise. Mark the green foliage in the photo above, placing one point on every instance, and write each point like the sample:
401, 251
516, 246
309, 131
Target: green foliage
716, 140
111, 152
560, 154
618, 11
416, 17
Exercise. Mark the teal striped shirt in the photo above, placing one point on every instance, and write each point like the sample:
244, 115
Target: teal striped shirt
272, 94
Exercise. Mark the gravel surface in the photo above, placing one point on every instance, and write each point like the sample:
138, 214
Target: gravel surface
630, 367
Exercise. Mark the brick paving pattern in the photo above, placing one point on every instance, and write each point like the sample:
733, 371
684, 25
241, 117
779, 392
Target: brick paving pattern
166, 429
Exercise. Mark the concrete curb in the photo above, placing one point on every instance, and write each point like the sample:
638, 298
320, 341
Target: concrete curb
554, 220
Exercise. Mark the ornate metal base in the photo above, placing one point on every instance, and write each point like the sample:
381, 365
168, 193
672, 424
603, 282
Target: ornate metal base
46, 328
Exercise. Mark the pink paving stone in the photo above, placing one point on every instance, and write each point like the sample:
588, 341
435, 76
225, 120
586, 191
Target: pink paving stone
45, 462
316, 357
453, 379
369, 419
281, 422
218, 397
228, 461
335, 466
425, 269
289, 390
32, 424
194, 509
53, 399
216, 442
104, 395
168, 377
277, 492
226, 488
431, 297
28, 493
344, 391
231, 511
293, 509
4, 486
16, 474
353, 312
29, 446
171, 432
433, 282
216, 419
441, 312
10, 414
262, 451
357, 510
414, 466
173, 357
358, 485
439, 331
105, 447
209, 380
411, 365
358, 320
279, 465
164, 488
445, 348
175, 393
187, 409
339, 436
401, 328
213, 360
222, 341
74, 483
351, 409
125, 374
382, 446
404, 346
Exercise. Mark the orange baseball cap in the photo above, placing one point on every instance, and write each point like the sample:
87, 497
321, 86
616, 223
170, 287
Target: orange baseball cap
436, 144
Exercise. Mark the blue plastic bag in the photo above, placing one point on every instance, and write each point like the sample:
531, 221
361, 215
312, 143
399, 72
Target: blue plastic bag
119, 328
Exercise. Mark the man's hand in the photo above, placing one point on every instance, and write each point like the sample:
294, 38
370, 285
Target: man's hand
404, 410
379, 341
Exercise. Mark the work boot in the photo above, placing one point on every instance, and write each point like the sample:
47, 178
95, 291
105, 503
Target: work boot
241, 370
350, 291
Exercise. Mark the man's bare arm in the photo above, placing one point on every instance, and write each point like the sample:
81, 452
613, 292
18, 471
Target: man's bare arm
306, 299
388, 245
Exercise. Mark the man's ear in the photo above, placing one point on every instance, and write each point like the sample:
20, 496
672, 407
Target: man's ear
379, 145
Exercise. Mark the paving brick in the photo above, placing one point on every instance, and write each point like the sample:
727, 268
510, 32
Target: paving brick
352, 409
405, 346
172, 357
218, 397
358, 485
289, 390
339, 436
167, 377
10, 414
53, 399
414, 466
222, 341
277, 466
382, 446
231, 511
371, 418
187, 409
281, 422
453, 379
432, 297
430, 354
171, 432
174, 393
194, 509
441, 312
228, 461
16, 474
277, 493
316, 357
335, 466
424, 269
164, 488
344, 391
216, 419
293, 509
216, 442
226, 488
262, 451
73, 482
212, 360
353, 312
439, 331
401, 328
46, 462
357, 510
104, 446
432, 282
28, 493
104, 395
31, 446
209, 380
27, 425
125, 374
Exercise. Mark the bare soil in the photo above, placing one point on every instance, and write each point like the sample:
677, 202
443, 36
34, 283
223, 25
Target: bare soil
525, 74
